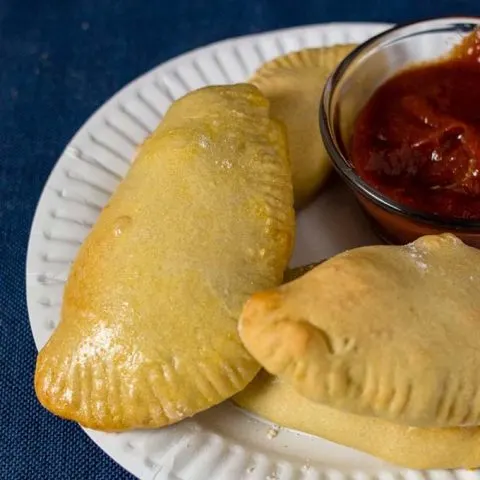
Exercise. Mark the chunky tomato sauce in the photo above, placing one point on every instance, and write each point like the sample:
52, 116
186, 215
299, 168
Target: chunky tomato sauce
418, 138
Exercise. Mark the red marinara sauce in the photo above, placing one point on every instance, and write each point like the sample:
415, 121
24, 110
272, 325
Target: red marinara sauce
417, 140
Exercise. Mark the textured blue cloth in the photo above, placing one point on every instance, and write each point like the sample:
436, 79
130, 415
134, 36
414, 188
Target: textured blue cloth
60, 60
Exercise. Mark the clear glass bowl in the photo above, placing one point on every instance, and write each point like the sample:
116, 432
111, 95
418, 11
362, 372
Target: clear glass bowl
351, 86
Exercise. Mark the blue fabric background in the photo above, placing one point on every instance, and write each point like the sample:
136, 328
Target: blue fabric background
60, 60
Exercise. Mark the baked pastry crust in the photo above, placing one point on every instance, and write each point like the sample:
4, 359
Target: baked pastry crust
411, 447
384, 331
293, 83
204, 218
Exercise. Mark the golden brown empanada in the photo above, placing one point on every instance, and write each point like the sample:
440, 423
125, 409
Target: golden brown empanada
294, 83
412, 447
203, 219
386, 331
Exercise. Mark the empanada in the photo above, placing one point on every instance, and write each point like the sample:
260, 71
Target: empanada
294, 83
386, 331
204, 218
411, 447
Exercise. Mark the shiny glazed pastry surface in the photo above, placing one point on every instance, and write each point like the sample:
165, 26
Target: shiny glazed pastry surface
204, 218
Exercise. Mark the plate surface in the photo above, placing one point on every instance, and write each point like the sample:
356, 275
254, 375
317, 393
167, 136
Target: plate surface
224, 443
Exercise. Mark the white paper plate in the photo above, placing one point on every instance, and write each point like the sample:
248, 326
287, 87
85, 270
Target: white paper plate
224, 443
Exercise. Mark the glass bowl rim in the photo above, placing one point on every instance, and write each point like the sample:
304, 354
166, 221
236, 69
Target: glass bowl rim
343, 166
